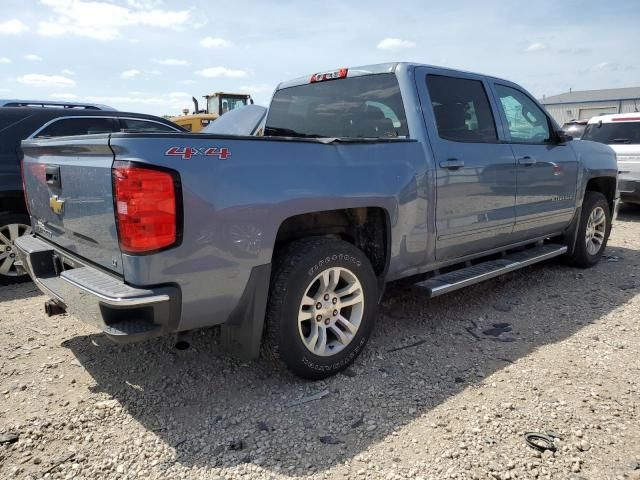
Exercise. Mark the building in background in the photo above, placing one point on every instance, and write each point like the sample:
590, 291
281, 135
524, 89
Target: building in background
582, 105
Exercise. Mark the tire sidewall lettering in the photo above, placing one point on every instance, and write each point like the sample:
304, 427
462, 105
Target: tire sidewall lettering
335, 258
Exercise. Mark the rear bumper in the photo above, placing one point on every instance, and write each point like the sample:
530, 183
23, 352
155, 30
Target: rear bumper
122, 312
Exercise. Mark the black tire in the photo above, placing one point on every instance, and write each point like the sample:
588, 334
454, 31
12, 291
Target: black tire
6, 219
581, 257
294, 270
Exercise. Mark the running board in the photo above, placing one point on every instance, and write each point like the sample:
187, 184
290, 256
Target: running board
448, 282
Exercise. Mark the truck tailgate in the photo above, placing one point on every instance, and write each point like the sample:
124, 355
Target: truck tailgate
69, 193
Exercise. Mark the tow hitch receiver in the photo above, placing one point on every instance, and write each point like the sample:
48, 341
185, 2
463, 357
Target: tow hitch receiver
51, 308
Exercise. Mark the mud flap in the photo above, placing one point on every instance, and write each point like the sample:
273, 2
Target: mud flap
241, 335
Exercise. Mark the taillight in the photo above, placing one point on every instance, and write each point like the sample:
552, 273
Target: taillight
146, 208
24, 185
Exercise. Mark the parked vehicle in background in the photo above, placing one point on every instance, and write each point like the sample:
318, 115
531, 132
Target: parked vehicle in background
364, 176
574, 128
217, 104
621, 131
21, 119
248, 120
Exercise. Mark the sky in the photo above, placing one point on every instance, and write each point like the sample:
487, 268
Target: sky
151, 56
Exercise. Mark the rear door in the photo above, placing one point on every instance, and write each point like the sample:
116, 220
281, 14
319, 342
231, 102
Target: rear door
476, 182
546, 170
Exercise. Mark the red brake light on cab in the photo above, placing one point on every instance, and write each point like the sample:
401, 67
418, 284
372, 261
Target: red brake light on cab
147, 208
333, 75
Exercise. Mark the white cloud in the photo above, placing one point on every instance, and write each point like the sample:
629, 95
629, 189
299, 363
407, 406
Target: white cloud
64, 96
172, 62
601, 65
216, 72
254, 89
103, 21
395, 44
66, 71
32, 57
214, 42
155, 72
12, 27
130, 73
39, 80
5, 60
535, 47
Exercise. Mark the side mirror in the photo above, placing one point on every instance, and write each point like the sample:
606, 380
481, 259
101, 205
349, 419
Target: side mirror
563, 137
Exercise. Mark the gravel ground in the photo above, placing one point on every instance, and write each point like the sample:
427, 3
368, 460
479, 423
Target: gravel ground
445, 389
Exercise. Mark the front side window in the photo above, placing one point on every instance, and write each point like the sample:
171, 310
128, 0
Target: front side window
526, 120
79, 126
461, 109
366, 106
145, 126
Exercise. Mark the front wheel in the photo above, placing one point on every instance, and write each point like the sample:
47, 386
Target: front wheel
322, 306
593, 230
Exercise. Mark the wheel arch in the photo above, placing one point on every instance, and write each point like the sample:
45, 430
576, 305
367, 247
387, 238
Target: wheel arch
367, 228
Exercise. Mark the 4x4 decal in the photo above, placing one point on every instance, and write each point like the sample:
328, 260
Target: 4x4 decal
186, 153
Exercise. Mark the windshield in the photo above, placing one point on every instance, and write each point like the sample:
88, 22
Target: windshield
613, 133
368, 106
231, 103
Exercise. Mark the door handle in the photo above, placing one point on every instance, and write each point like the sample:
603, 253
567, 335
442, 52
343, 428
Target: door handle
526, 160
452, 164
52, 175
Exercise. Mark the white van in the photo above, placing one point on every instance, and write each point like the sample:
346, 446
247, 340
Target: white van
621, 131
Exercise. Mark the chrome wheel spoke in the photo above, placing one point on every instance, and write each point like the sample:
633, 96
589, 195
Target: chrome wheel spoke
14, 231
6, 265
4, 240
352, 300
347, 324
308, 301
342, 337
321, 344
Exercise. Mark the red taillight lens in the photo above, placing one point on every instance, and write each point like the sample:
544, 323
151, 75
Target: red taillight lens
146, 208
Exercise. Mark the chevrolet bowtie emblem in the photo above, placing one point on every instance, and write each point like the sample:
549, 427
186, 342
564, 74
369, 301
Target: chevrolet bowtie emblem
56, 204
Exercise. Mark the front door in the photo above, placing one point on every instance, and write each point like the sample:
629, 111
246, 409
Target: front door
476, 180
546, 169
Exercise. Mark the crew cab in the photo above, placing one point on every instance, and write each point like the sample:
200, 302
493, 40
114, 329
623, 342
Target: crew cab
363, 176
21, 119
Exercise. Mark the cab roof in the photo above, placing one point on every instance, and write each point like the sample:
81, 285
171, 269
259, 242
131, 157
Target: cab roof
616, 117
377, 68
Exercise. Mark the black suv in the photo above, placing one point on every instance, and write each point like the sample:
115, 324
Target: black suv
20, 119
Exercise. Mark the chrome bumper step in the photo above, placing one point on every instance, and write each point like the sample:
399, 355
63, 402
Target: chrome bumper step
448, 282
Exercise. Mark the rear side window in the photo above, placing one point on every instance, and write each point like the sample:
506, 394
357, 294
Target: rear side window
145, 126
368, 106
9, 118
526, 120
79, 126
461, 109
613, 133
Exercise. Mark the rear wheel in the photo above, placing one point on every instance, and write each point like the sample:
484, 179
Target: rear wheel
322, 306
593, 230
12, 226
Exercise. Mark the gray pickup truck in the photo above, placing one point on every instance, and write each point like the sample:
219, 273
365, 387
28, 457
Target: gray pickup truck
363, 176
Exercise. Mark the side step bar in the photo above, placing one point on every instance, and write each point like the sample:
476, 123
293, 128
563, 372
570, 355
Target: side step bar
448, 282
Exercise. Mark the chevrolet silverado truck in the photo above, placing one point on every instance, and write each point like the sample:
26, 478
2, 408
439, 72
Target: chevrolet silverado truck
363, 176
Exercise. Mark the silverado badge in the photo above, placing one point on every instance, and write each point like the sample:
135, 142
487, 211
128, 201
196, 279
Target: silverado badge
56, 204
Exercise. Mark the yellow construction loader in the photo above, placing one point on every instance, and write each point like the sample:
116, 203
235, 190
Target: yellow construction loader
218, 104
